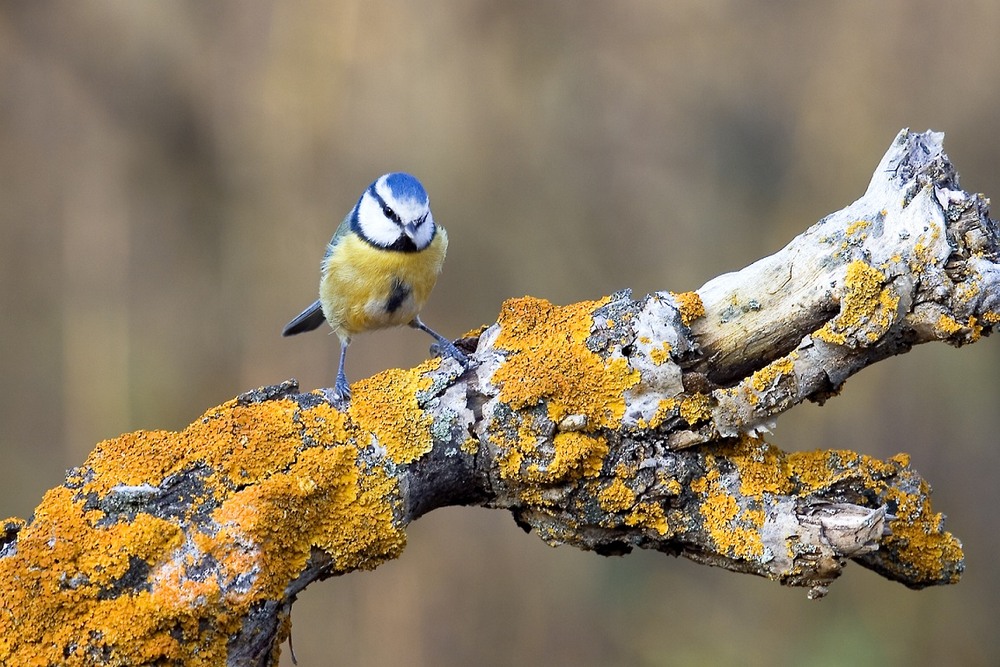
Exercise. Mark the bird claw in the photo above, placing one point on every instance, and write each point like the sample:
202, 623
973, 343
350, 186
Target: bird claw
340, 395
448, 349
468, 363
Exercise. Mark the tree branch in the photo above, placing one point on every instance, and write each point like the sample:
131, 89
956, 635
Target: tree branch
607, 425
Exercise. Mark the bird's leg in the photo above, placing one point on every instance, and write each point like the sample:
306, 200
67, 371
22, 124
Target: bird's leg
446, 346
341, 390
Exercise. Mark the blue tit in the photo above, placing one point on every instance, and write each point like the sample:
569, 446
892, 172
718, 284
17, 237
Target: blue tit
379, 269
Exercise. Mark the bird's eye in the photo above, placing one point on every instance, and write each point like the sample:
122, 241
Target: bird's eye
388, 212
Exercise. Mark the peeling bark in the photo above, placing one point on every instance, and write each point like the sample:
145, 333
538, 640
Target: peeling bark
608, 425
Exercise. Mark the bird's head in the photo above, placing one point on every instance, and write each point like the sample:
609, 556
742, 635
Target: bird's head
394, 213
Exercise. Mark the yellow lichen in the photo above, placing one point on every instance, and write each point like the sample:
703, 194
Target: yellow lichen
560, 394
469, 446
764, 471
975, 329
916, 536
573, 455
915, 532
616, 496
550, 361
768, 376
63, 571
475, 333
948, 327
284, 480
648, 515
690, 306
154, 455
666, 409
696, 407
673, 486
867, 307
398, 423
735, 531
969, 290
660, 355
857, 226
925, 248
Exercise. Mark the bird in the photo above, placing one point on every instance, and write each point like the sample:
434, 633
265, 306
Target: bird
379, 270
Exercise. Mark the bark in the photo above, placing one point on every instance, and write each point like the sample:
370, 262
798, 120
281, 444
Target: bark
607, 425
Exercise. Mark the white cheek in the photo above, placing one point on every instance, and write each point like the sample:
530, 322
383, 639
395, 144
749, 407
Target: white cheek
425, 234
373, 223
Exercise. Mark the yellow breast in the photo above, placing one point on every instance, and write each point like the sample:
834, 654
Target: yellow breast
365, 288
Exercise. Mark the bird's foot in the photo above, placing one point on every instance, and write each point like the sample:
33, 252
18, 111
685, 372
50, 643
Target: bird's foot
446, 348
339, 395
443, 346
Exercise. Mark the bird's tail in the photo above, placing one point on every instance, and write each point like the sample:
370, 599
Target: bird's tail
307, 320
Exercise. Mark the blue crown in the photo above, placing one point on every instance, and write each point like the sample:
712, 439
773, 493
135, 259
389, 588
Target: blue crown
406, 187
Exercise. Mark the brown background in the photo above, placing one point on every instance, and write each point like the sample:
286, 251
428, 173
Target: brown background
170, 171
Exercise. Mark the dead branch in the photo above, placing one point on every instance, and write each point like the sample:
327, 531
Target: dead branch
607, 425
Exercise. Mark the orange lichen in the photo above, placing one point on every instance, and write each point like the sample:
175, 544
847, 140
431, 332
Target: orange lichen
975, 329
550, 379
867, 307
573, 455
763, 471
966, 292
385, 405
735, 531
648, 515
283, 479
475, 333
616, 498
917, 537
948, 327
576, 451
690, 306
752, 389
60, 602
154, 455
549, 361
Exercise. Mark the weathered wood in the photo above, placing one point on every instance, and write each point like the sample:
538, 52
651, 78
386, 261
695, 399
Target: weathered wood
606, 425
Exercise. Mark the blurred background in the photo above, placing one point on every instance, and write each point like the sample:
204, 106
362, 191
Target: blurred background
170, 173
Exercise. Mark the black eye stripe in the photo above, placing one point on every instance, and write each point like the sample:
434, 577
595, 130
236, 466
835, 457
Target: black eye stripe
392, 215
386, 209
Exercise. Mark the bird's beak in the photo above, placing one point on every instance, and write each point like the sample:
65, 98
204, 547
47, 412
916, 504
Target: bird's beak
410, 229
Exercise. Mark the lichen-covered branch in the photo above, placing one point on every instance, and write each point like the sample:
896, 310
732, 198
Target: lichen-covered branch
607, 425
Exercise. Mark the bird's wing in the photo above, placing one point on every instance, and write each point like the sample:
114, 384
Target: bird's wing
312, 317
343, 230
307, 320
